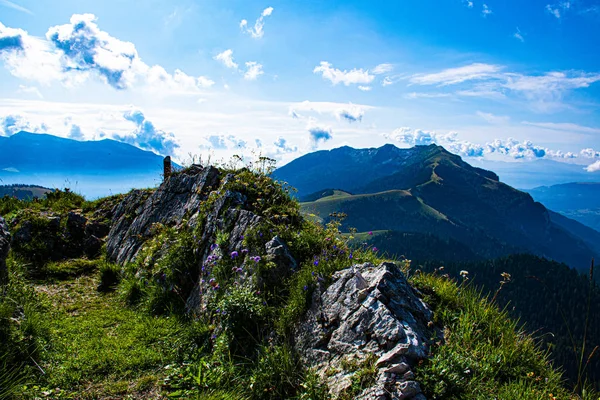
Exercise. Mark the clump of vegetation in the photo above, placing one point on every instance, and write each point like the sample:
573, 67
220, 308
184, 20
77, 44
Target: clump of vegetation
483, 352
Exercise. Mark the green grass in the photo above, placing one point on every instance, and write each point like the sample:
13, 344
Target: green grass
483, 352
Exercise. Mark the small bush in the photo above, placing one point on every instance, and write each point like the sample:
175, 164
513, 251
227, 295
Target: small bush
110, 276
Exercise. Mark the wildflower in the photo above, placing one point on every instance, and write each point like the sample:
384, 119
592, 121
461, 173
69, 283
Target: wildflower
213, 246
234, 254
328, 239
371, 233
375, 249
316, 262
305, 288
256, 259
350, 257
464, 274
244, 251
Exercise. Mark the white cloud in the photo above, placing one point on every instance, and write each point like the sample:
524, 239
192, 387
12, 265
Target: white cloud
318, 133
31, 90
486, 10
364, 88
146, 136
387, 81
493, 119
468, 3
336, 76
257, 30
382, 69
11, 124
226, 58
559, 8
451, 76
15, 6
590, 153
350, 113
347, 111
518, 35
75, 52
420, 95
567, 127
283, 146
595, 167
253, 70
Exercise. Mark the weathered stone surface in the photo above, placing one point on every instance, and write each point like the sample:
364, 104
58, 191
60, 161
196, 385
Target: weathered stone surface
367, 311
4, 248
176, 198
76, 225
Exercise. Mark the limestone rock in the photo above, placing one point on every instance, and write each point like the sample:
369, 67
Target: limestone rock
368, 311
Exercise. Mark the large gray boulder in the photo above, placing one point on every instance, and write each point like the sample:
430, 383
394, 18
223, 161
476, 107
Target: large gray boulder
4, 248
369, 315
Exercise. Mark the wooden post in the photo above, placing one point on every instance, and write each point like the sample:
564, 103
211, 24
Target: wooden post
166, 167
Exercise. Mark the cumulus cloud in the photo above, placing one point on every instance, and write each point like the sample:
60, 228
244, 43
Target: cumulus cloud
223, 142
382, 69
318, 133
364, 88
485, 11
253, 70
595, 167
146, 136
336, 76
226, 58
590, 153
282, 146
75, 133
257, 30
515, 149
413, 137
350, 113
74, 52
558, 9
11, 39
11, 124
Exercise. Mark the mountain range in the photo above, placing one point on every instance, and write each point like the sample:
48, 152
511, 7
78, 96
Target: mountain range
96, 168
428, 190
579, 201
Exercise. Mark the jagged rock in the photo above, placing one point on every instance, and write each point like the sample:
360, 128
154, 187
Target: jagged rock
4, 248
98, 229
76, 225
92, 246
178, 197
278, 253
368, 311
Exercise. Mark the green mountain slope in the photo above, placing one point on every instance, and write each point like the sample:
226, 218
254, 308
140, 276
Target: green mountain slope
436, 192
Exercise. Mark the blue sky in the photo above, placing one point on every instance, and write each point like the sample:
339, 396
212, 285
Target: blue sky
494, 81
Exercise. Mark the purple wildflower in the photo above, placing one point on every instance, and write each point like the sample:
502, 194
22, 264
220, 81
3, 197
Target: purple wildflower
316, 262
244, 251
213, 246
350, 256
374, 249
371, 233
305, 288
234, 254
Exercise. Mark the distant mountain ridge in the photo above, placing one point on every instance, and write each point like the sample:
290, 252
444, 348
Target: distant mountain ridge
428, 190
578, 200
95, 168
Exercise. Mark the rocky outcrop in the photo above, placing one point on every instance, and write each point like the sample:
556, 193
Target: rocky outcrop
369, 317
4, 247
48, 236
178, 197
